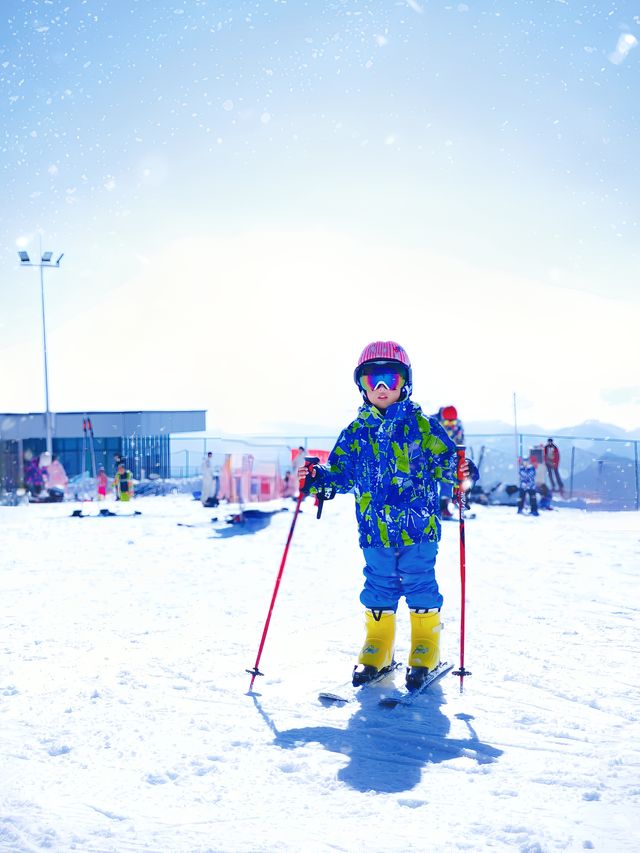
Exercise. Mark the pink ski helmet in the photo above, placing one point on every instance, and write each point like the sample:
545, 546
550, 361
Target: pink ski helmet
385, 354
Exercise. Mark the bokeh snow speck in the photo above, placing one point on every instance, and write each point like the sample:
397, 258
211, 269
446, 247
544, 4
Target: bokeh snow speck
626, 43
439, 151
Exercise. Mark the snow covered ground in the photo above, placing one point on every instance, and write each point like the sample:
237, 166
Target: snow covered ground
125, 723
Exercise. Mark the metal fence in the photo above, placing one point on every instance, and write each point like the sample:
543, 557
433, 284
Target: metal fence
269, 455
9, 473
598, 473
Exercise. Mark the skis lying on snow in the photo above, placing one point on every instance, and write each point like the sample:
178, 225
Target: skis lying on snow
389, 699
403, 696
104, 513
348, 693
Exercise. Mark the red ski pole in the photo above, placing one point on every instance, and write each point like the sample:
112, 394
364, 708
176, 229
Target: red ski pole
463, 574
255, 671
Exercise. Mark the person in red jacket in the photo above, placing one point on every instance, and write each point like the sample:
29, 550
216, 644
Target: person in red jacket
552, 461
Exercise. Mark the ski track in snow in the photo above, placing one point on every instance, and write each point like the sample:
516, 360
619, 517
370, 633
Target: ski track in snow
126, 723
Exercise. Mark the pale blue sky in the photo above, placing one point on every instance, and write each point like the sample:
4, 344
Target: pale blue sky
386, 167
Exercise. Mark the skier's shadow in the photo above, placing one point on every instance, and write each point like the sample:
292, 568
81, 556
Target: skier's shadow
387, 749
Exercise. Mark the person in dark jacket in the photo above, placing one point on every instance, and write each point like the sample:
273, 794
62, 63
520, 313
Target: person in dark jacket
33, 474
546, 496
393, 458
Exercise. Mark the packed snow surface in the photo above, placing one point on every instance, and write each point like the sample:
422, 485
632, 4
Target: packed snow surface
126, 723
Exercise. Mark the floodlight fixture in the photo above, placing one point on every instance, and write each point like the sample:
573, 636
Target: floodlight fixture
45, 261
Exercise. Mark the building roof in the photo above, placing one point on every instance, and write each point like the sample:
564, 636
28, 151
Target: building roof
105, 424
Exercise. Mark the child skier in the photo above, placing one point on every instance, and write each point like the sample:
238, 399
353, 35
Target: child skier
546, 496
103, 482
527, 473
393, 457
447, 417
123, 483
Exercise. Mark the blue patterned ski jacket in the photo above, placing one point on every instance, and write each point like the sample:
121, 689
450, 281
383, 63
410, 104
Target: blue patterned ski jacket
393, 463
527, 474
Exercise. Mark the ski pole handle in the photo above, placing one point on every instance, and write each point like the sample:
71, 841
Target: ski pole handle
461, 454
309, 464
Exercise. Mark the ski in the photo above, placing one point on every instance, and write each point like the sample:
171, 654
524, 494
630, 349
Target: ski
104, 513
348, 693
403, 696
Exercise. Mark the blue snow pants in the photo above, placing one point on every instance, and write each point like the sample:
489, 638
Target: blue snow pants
407, 570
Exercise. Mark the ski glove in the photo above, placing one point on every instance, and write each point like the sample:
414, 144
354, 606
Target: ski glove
467, 473
307, 475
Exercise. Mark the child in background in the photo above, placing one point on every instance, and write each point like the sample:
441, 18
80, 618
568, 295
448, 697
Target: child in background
394, 457
527, 473
546, 497
123, 483
103, 483
447, 417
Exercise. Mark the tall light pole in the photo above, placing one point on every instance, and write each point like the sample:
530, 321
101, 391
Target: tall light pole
45, 261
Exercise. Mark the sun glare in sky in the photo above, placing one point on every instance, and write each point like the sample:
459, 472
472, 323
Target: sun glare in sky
247, 194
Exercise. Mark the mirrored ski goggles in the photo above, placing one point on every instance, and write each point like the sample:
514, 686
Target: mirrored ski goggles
391, 379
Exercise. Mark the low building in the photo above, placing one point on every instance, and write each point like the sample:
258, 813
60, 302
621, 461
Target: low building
84, 440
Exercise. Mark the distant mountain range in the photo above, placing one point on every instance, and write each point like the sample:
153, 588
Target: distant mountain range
587, 429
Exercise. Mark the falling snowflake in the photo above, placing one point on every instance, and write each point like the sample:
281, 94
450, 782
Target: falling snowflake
626, 43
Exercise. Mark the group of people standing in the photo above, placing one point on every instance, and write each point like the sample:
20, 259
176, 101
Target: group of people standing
527, 476
46, 479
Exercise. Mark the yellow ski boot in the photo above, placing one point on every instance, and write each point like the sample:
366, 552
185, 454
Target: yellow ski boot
425, 646
377, 651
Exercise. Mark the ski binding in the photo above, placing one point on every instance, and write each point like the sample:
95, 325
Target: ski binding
403, 696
